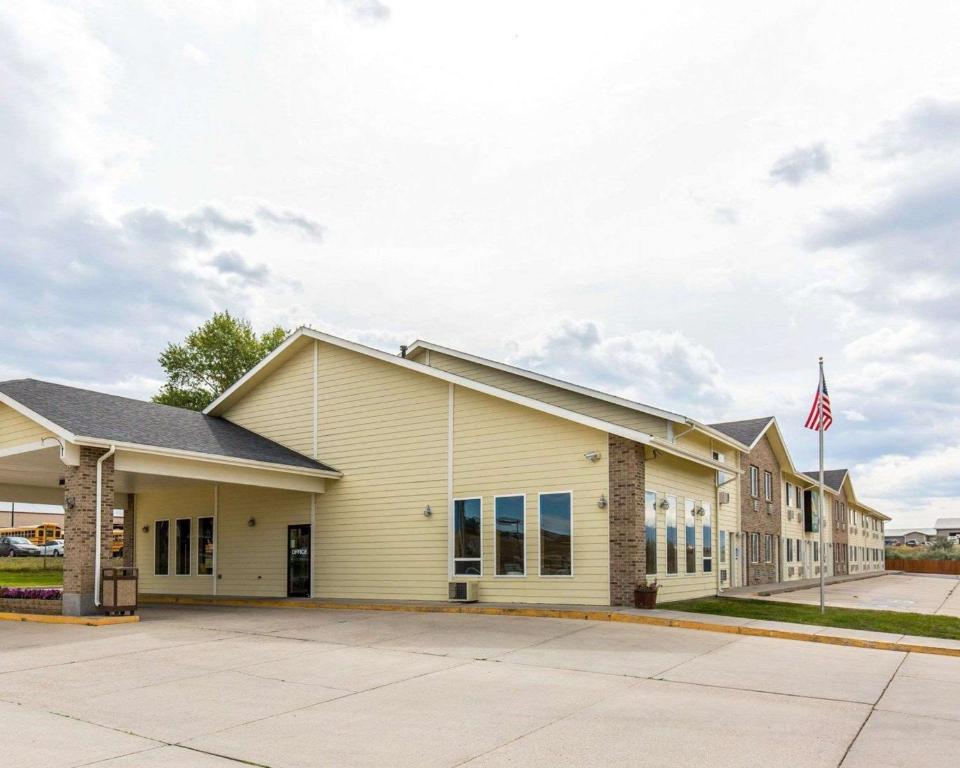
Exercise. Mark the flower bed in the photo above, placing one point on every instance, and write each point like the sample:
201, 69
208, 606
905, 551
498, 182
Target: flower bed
31, 600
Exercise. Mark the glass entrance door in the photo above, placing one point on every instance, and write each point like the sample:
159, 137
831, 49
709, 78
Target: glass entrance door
298, 561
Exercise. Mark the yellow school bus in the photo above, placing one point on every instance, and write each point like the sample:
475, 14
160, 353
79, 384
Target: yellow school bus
36, 534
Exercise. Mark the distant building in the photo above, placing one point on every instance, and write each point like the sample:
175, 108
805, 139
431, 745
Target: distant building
910, 537
949, 527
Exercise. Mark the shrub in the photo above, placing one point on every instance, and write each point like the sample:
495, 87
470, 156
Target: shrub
31, 593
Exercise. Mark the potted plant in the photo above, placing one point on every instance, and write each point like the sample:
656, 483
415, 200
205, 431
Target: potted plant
645, 594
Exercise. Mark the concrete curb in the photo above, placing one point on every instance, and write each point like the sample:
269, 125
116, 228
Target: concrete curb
88, 621
586, 614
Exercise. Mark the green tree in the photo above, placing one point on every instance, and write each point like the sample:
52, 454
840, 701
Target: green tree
211, 358
940, 547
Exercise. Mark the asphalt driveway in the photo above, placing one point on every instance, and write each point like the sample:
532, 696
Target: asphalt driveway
281, 687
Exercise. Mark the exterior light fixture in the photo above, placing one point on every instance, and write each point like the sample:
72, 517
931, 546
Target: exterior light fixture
592, 455
602, 503
427, 512
664, 504
146, 529
69, 502
252, 522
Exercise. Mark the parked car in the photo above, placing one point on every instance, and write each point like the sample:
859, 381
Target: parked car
52, 548
17, 546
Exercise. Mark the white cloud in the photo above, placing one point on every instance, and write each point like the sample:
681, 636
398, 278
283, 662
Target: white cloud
797, 166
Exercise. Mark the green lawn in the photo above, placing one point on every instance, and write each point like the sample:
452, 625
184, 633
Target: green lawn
31, 578
847, 618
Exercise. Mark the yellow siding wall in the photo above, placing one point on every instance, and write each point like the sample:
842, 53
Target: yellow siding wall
191, 500
281, 406
548, 393
16, 429
793, 529
385, 428
506, 449
667, 475
250, 560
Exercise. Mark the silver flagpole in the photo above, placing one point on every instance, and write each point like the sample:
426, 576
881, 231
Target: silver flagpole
820, 500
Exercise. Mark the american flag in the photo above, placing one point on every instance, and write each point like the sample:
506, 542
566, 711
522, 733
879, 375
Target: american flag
822, 399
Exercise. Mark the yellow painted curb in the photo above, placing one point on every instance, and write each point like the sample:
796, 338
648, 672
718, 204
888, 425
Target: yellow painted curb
88, 621
588, 614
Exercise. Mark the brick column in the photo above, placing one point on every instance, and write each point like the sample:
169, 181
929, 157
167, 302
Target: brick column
79, 529
130, 531
627, 533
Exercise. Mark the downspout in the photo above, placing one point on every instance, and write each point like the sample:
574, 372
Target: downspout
99, 538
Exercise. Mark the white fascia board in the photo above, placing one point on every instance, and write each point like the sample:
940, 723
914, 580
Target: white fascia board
210, 458
667, 447
543, 379
56, 429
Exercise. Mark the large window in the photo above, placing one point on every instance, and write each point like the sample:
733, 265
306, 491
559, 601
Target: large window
707, 539
467, 551
556, 529
205, 546
183, 546
508, 514
690, 534
754, 481
722, 546
161, 547
754, 547
767, 486
650, 530
789, 550
767, 548
788, 496
671, 515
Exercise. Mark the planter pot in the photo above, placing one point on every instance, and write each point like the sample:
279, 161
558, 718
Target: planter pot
645, 597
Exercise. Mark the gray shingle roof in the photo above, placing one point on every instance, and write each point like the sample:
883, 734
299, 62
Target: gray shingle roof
745, 431
832, 478
122, 419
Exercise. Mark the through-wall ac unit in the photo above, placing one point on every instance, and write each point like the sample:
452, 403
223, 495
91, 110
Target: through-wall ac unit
723, 574
724, 497
769, 507
756, 505
462, 591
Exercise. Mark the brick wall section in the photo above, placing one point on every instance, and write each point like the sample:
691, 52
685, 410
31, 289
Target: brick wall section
79, 529
763, 457
20, 605
130, 531
626, 512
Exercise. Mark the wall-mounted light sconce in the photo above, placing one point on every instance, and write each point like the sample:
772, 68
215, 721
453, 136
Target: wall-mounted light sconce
251, 522
664, 504
69, 502
700, 511
146, 529
427, 512
602, 503
592, 455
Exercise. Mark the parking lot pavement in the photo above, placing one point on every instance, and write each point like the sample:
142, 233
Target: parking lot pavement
217, 686
913, 593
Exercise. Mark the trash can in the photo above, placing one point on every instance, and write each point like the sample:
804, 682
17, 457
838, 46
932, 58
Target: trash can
118, 591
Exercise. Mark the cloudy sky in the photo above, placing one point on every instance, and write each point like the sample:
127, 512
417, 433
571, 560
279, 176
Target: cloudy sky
682, 203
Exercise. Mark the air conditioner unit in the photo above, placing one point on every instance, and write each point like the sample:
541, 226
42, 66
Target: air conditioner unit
723, 574
789, 514
724, 497
462, 591
769, 507
756, 505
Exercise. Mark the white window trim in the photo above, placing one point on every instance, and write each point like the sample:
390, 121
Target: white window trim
540, 572
656, 528
754, 550
767, 486
707, 515
176, 548
453, 535
213, 530
167, 521
693, 511
495, 537
666, 543
754, 482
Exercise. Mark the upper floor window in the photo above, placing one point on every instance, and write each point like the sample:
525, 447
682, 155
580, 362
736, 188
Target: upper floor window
788, 495
754, 481
767, 486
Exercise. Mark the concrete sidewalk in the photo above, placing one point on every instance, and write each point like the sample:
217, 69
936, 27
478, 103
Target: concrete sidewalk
659, 617
765, 590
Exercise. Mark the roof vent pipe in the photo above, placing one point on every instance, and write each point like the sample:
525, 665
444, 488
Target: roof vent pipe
99, 538
403, 350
